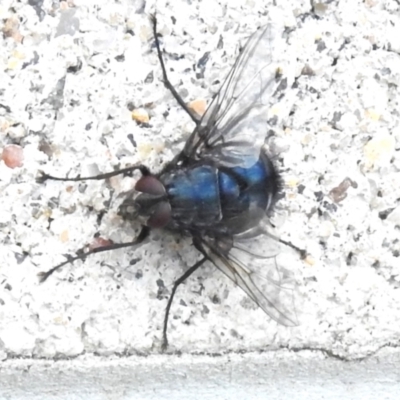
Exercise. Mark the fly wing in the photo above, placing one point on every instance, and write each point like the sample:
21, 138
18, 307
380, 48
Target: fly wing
235, 125
250, 262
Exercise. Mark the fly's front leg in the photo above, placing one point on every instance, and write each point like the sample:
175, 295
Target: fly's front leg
143, 169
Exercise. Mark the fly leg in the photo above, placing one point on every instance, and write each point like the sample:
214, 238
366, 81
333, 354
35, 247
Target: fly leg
143, 169
302, 252
167, 83
176, 284
144, 233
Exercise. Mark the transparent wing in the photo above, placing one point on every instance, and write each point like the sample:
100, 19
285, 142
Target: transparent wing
250, 262
236, 123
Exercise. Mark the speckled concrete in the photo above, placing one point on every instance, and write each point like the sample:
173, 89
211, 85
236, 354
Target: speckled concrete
72, 74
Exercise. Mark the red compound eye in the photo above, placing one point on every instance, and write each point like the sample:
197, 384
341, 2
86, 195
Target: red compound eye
150, 185
160, 216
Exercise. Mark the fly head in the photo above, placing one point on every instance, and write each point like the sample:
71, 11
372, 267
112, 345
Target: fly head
150, 207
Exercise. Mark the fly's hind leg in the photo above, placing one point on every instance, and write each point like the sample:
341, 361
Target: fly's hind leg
302, 252
176, 284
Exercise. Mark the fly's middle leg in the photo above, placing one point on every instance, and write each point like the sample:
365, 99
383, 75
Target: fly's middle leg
167, 83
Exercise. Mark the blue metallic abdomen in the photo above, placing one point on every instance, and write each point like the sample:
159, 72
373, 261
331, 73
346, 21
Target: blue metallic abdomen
242, 188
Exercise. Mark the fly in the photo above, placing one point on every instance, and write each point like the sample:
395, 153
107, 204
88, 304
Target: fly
221, 188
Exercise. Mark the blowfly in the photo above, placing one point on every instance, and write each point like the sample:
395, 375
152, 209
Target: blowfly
221, 188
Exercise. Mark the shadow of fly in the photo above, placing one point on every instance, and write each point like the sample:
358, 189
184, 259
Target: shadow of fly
221, 188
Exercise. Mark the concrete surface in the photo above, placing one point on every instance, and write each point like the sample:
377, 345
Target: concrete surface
72, 72
278, 375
